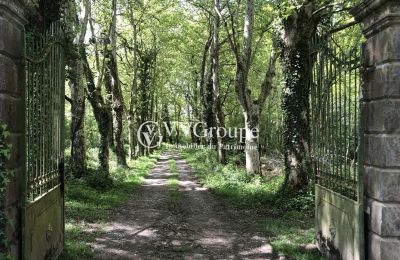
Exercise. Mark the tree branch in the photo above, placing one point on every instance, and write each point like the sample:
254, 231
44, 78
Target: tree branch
68, 99
229, 36
342, 27
267, 84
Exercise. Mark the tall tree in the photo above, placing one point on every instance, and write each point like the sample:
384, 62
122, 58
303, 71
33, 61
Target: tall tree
147, 64
299, 27
206, 88
77, 85
93, 92
113, 84
134, 86
252, 108
300, 22
218, 109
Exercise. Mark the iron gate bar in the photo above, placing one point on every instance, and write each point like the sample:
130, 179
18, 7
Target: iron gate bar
335, 144
44, 88
334, 115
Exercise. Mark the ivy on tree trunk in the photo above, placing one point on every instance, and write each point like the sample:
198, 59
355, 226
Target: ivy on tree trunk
299, 29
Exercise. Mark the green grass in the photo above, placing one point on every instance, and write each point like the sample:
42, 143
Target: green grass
173, 180
288, 221
288, 234
88, 204
172, 165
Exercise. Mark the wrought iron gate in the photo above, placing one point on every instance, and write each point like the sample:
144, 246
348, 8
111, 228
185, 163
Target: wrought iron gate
43, 223
335, 148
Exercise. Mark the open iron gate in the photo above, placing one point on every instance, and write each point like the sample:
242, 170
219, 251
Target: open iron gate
43, 218
335, 146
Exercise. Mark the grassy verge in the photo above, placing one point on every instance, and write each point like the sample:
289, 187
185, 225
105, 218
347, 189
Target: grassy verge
288, 221
86, 203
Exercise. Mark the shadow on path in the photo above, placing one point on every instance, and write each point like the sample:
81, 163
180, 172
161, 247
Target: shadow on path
194, 225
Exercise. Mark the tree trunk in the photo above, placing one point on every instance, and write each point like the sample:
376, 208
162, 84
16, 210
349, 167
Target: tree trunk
205, 88
208, 108
133, 94
299, 29
251, 142
101, 113
251, 108
78, 151
108, 101
112, 79
132, 136
218, 112
295, 105
77, 85
178, 110
147, 64
166, 123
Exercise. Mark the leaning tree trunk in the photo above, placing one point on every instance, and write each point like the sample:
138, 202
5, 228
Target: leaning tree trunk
300, 28
111, 76
78, 153
101, 113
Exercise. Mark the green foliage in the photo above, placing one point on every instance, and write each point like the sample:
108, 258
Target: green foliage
98, 179
232, 182
5, 176
86, 203
245, 190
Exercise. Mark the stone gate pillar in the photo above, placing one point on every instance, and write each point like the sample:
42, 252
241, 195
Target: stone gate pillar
381, 120
12, 77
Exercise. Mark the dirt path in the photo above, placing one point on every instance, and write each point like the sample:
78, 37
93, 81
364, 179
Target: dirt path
192, 225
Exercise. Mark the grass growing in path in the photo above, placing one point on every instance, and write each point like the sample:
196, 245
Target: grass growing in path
288, 233
173, 180
288, 221
87, 204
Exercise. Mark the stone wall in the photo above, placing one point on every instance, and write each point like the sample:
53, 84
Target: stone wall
12, 77
381, 121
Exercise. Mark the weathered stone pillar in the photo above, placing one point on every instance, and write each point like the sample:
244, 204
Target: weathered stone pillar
12, 77
381, 120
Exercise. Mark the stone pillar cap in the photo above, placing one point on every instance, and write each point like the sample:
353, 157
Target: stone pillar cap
367, 7
375, 21
16, 7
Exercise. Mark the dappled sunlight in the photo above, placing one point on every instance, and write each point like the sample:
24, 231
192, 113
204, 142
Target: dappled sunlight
191, 224
264, 249
215, 241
